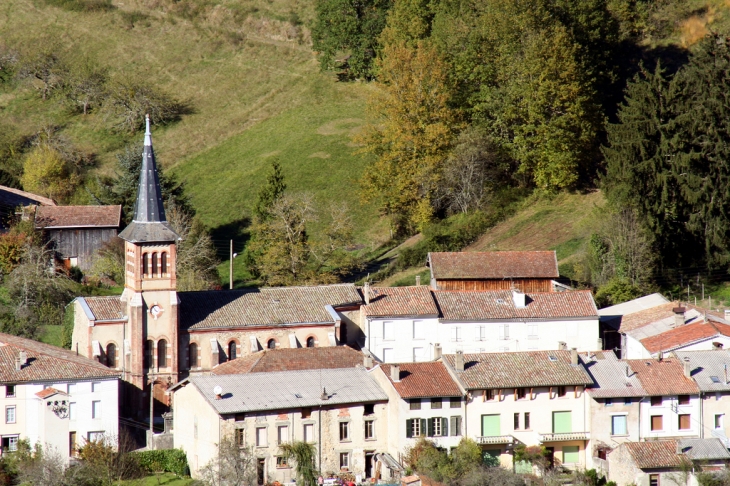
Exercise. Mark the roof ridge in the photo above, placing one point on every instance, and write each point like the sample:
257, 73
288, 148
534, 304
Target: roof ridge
51, 351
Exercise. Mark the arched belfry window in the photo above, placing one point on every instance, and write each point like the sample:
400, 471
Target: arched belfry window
193, 356
155, 270
161, 353
148, 353
232, 350
310, 342
271, 344
163, 259
145, 264
111, 355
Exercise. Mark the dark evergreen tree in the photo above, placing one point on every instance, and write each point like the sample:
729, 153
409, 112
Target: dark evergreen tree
273, 190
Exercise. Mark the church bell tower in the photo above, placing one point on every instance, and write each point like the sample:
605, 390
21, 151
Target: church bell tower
151, 334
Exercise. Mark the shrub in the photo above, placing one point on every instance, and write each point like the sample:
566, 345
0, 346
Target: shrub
169, 460
82, 5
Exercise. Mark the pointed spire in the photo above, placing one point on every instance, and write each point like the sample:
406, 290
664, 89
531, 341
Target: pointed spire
149, 207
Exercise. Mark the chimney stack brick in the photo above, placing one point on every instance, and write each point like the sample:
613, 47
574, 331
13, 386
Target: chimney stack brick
437, 351
366, 292
459, 361
368, 361
395, 372
687, 368
574, 356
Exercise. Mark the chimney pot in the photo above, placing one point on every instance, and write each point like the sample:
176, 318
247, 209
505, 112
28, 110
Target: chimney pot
687, 368
574, 356
459, 361
368, 361
562, 345
366, 292
678, 316
395, 372
17, 364
23, 358
437, 351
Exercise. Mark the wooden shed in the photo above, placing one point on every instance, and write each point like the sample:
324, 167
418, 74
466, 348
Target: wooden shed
77, 232
12, 199
528, 271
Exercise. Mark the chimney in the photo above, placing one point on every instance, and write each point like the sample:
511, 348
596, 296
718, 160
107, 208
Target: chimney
324, 396
459, 361
418, 280
17, 364
23, 358
368, 361
678, 316
628, 373
687, 368
574, 356
395, 372
562, 345
436, 351
366, 292
518, 298
599, 343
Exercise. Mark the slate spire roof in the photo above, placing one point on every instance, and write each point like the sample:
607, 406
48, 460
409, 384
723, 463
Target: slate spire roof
149, 223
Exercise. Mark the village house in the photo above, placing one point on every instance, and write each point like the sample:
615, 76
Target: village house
343, 412
423, 401
405, 324
530, 398
16, 203
527, 271
664, 462
53, 397
294, 359
77, 233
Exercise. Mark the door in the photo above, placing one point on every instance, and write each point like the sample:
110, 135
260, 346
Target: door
490, 426
369, 457
72, 444
562, 422
261, 470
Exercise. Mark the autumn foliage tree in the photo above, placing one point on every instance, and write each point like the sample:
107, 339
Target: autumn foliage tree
46, 173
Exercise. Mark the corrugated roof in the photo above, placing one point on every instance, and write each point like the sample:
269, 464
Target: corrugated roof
654, 454
283, 390
493, 265
704, 449
632, 306
292, 359
459, 305
610, 378
78, 217
520, 369
708, 364
664, 377
46, 363
423, 380
278, 306
401, 301
109, 308
684, 336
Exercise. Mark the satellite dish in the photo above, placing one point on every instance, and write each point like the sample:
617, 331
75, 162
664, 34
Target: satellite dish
218, 390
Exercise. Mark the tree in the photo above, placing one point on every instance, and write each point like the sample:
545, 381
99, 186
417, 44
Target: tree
271, 192
128, 102
41, 466
107, 461
108, 262
41, 63
232, 466
303, 454
411, 131
85, 87
47, 174
196, 261
351, 26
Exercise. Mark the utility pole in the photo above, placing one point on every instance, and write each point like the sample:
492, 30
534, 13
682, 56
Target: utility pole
152, 405
703, 292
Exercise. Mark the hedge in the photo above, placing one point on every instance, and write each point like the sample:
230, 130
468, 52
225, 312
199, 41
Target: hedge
168, 460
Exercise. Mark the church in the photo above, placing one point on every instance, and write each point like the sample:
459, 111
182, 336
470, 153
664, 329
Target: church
156, 336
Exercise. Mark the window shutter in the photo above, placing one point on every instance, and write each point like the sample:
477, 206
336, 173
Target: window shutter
501, 331
424, 427
453, 425
454, 331
458, 426
444, 427
506, 331
430, 427
478, 333
409, 428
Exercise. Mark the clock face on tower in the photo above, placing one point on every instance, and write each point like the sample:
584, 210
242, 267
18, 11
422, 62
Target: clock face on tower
156, 310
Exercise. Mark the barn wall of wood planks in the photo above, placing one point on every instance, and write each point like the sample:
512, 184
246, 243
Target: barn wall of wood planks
525, 285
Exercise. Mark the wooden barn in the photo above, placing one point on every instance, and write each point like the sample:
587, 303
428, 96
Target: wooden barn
528, 271
77, 232
12, 199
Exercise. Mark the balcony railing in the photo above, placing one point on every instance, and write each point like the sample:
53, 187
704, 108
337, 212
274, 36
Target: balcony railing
496, 439
564, 436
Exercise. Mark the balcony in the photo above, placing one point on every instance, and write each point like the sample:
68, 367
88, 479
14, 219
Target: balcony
496, 439
564, 436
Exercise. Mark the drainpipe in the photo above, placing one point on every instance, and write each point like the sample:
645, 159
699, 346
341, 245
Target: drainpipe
702, 417
319, 464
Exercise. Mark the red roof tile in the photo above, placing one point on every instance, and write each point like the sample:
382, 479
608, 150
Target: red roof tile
654, 454
48, 392
460, 305
293, 359
401, 301
78, 216
422, 380
106, 308
661, 378
684, 335
494, 265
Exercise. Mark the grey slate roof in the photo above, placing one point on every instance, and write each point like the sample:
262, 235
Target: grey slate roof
703, 449
149, 223
708, 364
609, 377
282, 390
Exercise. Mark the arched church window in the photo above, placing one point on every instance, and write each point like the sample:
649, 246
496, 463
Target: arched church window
161, 353
232, 350
163, 260
111, 355
192, 356
145, 264
310, 342
271, 344
155, 270
148, 352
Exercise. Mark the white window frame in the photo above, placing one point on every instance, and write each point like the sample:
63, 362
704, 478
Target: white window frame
504, 332
95, 386
626, 425
436, 423
456, 334
344, 464
96, 410
388, 330
12, 442
308, 439
419, 354
421, 327
532, 330
72, 412
371, 424
8, 410
480, 333
720, 416
262, 433
347, 436
279, 436
93, 435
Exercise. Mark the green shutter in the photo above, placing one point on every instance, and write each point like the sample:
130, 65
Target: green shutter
562, 422
444, 427
570, 455
430, 427
490, 426
409, 428
424, 427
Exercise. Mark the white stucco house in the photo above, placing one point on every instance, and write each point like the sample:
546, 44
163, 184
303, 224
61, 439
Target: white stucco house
53, 397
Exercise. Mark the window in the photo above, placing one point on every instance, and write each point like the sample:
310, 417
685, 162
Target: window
656, 401
520, 393
527, 420
531, 331
562, 422
10, 414
241, 437
455, 402
481, 333
232, 350
148, 353
455, 426
161, 353
306, 413
192, 356
309, 433
388, 331
517, 421
488, 395
618, 425
310, 342
419, 355
657, 422
145, 264
415, 404
653, 480
436, 403
72, 447
561, 391
10, 443
684, 421
456, 333
96, 409
368, 409
111, 355
282, 434
719, 419
271, 344
9, 391
281, 462
437, 427
627, 401
608, 402
154, 264
344, 431
95, 436
239, 417
344, 460
683, 400
261, 437
72, 411
491, 426
419, 330
369, 429
571, 455
504, 331
163, 259
413, 428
